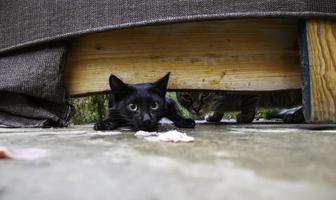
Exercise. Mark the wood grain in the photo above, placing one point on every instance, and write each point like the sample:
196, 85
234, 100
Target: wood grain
216, 55
321, 38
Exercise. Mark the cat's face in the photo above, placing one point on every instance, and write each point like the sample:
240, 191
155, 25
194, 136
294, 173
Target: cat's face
140, 105
198, 103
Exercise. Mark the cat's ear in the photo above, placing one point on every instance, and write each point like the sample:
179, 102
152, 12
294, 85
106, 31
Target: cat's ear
162, 83
117, 85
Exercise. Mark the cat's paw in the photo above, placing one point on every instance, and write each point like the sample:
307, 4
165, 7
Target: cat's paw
104, 125
245, 118
185, 123
294, 118
214, 117
99, 126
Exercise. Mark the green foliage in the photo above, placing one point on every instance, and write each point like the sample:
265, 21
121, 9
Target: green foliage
89, 109
184, 111
230, 115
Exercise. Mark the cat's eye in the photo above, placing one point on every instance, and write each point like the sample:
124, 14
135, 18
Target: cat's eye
186, 97
133, 107
205, 94
155, 106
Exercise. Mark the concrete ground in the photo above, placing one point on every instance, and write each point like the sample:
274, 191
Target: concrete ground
259, 161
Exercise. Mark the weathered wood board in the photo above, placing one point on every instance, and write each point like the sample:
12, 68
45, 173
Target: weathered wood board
217, 55
321, 39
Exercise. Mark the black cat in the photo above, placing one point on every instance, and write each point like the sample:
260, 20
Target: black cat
141, 106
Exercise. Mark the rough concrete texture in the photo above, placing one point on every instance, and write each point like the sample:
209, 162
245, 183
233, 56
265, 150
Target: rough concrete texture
226, 161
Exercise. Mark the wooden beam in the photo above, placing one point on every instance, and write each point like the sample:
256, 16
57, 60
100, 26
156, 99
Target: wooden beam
321, 39
218, 55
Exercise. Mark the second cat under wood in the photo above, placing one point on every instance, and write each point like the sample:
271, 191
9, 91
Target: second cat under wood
213, 105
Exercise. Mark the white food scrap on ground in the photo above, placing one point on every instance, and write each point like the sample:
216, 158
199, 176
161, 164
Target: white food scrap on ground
105, 133
143, 134
169, 136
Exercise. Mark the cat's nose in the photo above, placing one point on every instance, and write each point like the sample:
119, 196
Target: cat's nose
196, 108
146, 120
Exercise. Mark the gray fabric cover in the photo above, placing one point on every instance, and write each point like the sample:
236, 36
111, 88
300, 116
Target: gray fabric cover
25, 22
31, 79
31, 87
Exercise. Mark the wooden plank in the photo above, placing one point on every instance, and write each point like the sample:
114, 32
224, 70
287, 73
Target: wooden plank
217, 55
321, 38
